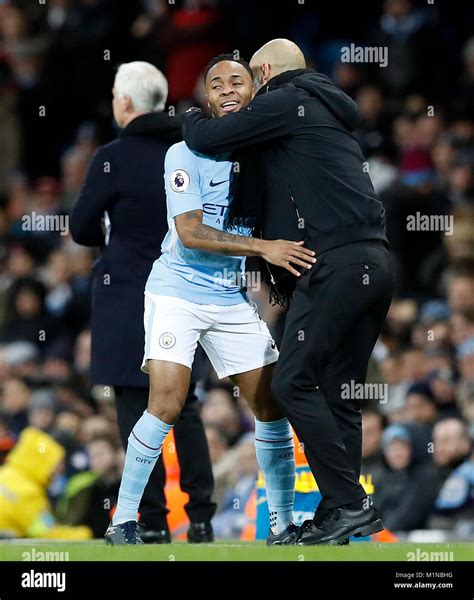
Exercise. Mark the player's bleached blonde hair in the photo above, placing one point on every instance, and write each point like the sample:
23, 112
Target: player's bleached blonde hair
144, 83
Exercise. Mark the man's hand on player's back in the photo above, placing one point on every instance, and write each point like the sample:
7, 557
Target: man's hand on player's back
193, 233
283, 253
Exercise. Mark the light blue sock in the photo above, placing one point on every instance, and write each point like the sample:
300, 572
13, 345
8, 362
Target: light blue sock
276, 458
144, 448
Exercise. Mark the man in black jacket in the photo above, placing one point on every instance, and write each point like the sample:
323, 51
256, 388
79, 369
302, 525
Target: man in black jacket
122, 209
296, 136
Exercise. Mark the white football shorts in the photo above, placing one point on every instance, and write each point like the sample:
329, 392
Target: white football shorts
234, 337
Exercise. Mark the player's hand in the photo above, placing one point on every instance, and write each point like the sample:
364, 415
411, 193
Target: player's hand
283, 253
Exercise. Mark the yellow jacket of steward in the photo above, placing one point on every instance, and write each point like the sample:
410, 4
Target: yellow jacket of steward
25, 510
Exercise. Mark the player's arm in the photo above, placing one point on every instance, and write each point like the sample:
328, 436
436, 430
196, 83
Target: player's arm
268, 117
193, 233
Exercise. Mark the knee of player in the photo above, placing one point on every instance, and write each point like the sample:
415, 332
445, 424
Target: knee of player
166, 404
268, 413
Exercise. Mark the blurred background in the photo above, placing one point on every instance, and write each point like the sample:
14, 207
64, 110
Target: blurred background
417, 132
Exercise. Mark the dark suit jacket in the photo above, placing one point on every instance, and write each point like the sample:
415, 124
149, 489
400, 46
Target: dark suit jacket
125, 178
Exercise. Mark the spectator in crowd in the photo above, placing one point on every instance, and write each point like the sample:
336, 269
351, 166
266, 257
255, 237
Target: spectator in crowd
374, 130
414, 46
402, 505
460, 290
466, 359
217, 442
463, 99
42, 410
462, 325
372, 456
222, 458
232, 516
187, 37
443, 385
90, 496
451, 443
27, 318
421, 405
220, 409
455, 502
465, 396
7, 440
93, 427
15, 396
19, 359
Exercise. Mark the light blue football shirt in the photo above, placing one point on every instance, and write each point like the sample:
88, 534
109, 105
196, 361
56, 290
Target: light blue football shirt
194, 181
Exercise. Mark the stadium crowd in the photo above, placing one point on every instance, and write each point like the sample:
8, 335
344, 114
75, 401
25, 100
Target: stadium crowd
57, 63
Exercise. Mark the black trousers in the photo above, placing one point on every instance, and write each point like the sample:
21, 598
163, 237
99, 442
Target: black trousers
193, 454
332, 325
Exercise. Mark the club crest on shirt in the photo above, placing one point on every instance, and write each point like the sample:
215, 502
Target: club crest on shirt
179, 180
167, 340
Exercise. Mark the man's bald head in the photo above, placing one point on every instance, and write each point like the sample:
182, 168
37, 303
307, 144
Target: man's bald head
275, 57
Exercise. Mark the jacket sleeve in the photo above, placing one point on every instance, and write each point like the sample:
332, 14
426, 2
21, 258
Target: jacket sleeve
95, 196
268, 117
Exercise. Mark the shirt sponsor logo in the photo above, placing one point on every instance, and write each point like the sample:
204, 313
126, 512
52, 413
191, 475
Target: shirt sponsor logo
216, 210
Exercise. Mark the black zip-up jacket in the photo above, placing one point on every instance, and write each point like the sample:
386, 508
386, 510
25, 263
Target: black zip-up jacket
317, 186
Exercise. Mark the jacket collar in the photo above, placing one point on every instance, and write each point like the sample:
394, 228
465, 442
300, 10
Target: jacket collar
281, 79
159, 125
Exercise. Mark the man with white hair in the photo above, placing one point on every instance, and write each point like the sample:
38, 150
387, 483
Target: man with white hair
122, 209
139, 88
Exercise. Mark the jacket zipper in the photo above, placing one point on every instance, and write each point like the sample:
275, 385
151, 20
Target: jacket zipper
272, 279
294, 204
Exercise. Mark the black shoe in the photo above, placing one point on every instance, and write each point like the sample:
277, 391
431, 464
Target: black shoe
339, 526
124, 534
200, 533
320, 516
286, 537
312, 527
154, 536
